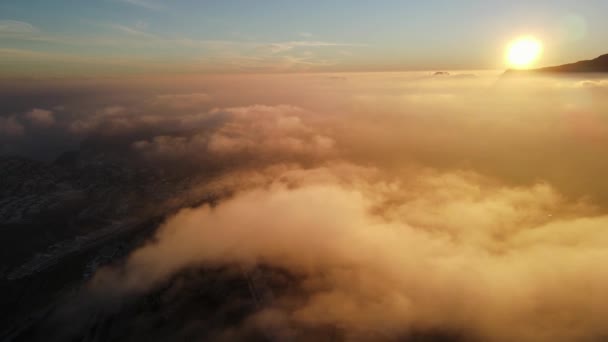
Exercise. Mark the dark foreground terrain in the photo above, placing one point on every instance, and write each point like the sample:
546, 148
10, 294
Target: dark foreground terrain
95, 205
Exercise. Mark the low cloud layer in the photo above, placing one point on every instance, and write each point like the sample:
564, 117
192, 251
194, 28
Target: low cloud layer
10, 126
41, 117
451, 252
401, 203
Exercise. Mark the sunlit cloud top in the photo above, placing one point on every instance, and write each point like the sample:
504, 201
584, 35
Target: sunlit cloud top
151, 36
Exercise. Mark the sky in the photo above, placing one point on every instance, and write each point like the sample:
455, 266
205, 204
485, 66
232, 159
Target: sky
159, 36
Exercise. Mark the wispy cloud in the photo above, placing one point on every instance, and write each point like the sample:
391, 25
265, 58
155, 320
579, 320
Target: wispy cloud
198, 54
145, 4
286, 46
28, 56
14, 27
137, 30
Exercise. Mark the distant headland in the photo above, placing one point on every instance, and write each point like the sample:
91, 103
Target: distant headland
597, 65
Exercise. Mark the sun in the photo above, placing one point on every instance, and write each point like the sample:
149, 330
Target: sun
524, 51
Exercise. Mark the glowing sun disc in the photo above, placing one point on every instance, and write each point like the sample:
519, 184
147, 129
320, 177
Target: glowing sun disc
523, 52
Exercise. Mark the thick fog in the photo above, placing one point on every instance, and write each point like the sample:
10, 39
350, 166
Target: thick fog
401, 202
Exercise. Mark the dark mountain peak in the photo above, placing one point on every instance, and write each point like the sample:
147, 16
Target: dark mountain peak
596, 65
602, 58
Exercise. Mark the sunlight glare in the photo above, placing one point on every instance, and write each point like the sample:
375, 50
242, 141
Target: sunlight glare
523, 52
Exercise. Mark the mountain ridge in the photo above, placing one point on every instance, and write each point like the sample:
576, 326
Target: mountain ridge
596, 65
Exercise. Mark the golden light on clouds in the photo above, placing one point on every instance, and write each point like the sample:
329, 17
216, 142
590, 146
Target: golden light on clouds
523, 52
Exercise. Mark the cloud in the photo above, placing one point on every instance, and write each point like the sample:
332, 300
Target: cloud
393, 203
286, 46
245, 133
145, 4
14, 27
388, 120
278, 129
113, 111
9, 126
136, 31
182, 101
202, 55
41, 117
592, 84
457, 253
